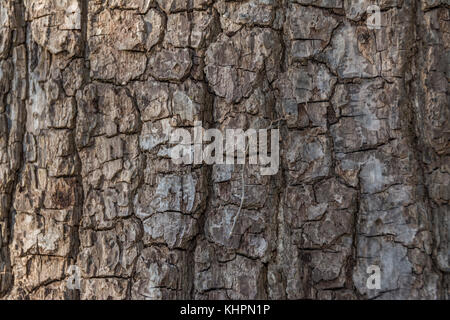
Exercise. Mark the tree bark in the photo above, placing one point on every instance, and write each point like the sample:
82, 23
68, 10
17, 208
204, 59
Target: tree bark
90, 90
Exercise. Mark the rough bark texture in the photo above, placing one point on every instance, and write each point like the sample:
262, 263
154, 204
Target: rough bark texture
89, 90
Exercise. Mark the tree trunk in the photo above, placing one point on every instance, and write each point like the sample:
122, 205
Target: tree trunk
93, 207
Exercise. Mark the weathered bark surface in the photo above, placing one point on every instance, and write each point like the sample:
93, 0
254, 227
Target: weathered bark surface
89, 90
